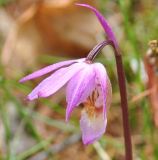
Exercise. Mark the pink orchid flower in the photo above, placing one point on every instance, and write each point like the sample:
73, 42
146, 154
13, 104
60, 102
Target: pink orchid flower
86, 83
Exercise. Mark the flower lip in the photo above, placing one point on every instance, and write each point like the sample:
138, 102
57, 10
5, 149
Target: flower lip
92, 129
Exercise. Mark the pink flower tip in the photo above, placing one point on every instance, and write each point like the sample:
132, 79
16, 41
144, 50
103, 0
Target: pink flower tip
21, 80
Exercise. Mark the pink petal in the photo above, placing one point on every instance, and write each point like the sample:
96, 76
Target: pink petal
79, 88
49, 69
92, 127
104, 81
54, 82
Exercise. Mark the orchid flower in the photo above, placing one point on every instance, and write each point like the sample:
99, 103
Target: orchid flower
86, 83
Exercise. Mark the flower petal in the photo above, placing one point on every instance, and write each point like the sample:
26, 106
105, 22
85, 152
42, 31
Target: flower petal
104, 23
104, 81
92, 128
54, 82
49, 69
79, 88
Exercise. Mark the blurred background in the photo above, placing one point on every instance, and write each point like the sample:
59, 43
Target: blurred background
36, 33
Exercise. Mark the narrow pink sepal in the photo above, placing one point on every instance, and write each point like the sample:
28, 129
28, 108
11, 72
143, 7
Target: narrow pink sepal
102, 77
79, 88
49, 69
54, 82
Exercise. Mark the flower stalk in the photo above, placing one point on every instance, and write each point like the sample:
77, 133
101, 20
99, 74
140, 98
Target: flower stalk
123, 93
124, 104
